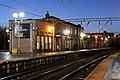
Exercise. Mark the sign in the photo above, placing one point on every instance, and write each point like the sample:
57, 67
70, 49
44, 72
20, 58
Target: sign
14, 51
22, 30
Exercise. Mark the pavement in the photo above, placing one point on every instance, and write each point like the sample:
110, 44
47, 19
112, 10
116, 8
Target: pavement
114, 70
7, 56
108, 69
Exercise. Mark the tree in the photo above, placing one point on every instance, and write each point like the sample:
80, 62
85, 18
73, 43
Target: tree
3, 38
114, 43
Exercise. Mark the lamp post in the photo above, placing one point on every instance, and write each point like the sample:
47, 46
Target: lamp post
101, 42
106, 42
6, 34
16, 15
53, 36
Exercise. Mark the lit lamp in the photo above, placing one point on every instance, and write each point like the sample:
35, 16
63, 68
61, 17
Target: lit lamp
82, 35
106, 39
16, 15
7, 30
101, 41
88, 36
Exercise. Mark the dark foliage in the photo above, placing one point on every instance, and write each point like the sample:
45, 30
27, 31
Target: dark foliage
114, 42
3, 38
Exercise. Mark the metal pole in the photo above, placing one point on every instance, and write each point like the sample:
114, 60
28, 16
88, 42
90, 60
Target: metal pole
96, 41
31, 26
4, 39
12, 37
18, 38
53, 36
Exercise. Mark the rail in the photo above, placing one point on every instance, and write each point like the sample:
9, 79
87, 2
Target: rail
68, 76
8, 69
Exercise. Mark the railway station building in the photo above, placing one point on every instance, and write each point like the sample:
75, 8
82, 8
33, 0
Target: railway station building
97, 40
44, 35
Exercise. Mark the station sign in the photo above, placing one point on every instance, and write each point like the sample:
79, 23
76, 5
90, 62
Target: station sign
22, 30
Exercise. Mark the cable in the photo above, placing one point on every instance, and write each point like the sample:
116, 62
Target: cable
26, 5
76, 7
1, 4
67, 7
7, 6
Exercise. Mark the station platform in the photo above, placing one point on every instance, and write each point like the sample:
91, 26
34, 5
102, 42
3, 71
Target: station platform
6, 56
108, 69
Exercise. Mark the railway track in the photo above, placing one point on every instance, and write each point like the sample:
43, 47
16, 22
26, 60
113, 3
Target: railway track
73, 70
70, 70
81, 72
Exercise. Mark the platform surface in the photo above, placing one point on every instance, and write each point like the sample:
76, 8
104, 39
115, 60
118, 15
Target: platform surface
108, 69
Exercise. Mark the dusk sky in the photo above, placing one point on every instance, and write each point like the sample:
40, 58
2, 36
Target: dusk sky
64, 9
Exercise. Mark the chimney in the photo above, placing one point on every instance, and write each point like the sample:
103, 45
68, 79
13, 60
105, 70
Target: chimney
47, 14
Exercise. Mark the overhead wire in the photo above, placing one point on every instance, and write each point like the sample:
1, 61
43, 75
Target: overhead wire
73, 10
1, 4
99, 23
67, 7
76, 6
7, 6
26, 5
4, 5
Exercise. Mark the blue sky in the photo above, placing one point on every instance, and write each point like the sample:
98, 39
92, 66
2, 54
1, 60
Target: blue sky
65, 9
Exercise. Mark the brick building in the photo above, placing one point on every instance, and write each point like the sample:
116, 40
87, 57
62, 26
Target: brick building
47, 34
97, 40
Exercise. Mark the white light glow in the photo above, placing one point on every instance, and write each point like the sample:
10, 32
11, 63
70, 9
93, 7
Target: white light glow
96, 36
7, 30
15, 15
101, 38
106, 39
66, 32
82, 35
21, 14
108, 36
88, 36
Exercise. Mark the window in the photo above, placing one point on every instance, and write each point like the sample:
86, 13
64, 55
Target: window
50, 46
38, 42
42, 42
75, 31
71, 30
46, 43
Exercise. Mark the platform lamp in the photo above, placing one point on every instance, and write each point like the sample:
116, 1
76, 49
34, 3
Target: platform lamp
15, 16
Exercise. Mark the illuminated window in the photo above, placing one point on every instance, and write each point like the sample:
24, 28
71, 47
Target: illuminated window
42, 42
38, 42
50, 40
68, 42
75, 31
46, 39
46, 43
71, 30
50, 46
42, 39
